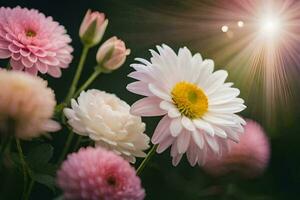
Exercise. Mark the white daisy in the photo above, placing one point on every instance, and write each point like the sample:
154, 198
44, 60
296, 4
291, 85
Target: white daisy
198, 107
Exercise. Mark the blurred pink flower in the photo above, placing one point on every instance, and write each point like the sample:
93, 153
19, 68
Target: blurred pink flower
92, 27
112, 53
95, 173
33, 42
28, 103
247, 158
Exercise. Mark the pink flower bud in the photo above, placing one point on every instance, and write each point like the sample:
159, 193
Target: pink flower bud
112, 53
247, 158
92, 28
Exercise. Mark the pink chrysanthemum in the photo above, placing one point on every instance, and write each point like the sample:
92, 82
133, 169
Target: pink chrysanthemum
248, 158
95, 173
33, 42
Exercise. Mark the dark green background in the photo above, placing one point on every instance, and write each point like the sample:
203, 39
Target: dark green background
142, 24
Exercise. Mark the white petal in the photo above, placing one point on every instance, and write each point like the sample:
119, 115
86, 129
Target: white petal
175, 127
217, 119
206, 70
142, 60
204, 126
215, 81
198, 138
219, 132
227, 108
159, 93
188, 124
172, 110
174, 113
69, 113
224, 94
165, 105
212, 143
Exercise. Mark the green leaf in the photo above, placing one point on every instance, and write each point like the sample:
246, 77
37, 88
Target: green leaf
44, 179
39, 155
49, 169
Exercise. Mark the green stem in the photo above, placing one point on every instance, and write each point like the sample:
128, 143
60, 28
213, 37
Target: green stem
146, 160
66, 148
96, 73
77, 74
5, 144
77, 143
31, 184
8, 67
24, 167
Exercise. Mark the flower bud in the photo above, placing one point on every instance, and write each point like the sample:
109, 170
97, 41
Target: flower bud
92, 28
112, 53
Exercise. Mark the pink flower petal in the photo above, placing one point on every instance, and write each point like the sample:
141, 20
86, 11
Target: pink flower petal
4, 53
176, 159
16, 64
54, 71
32, 58
148, 106
43, 68
192, 153
32, 71
24, 52
16, 56
26, 62
183, 141
49, 60
140, 88
4, 44
13, 48
162, 130
163, 145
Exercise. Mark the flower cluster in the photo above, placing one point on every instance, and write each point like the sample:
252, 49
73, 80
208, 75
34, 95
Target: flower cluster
199, 109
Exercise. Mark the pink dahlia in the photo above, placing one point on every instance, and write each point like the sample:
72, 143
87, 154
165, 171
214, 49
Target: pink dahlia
33, 42
247, 158
95, 173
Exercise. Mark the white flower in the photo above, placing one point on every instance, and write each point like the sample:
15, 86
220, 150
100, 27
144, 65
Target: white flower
106, 119
26, 104
198, 107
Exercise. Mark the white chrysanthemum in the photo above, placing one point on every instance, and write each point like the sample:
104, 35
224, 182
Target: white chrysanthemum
26, 104
198, 107
106, 119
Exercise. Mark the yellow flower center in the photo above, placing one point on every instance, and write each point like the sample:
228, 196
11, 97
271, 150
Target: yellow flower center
30, 33
190, 100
